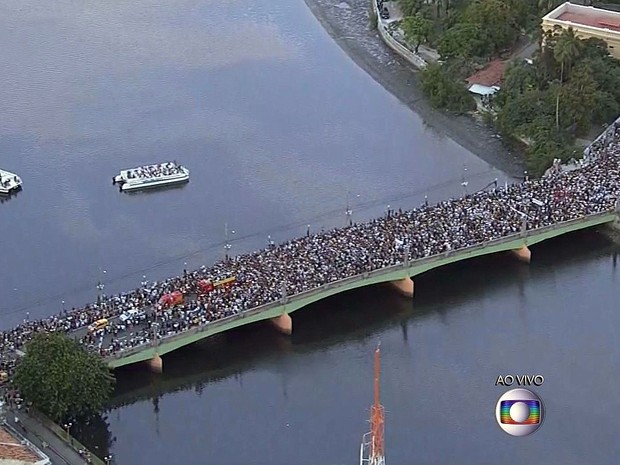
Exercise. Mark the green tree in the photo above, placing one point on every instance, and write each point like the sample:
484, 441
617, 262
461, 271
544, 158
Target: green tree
566, 51
579, 97
442, 7
410, 7
594, 48
524, 114
519, 77
462, 40
545, 6
417, 29
606, 72
496, 19
443, 91
61, 378
540, 155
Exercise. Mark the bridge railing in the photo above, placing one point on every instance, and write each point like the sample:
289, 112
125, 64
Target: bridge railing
360, 277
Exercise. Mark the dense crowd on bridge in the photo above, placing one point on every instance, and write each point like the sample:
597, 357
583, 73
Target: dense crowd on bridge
316, 259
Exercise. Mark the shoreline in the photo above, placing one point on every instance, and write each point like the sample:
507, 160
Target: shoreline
347, 24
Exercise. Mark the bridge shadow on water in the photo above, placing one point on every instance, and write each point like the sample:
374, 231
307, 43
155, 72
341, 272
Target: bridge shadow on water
356, 315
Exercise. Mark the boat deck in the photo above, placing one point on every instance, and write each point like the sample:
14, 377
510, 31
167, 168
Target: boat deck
148, 176
9, 182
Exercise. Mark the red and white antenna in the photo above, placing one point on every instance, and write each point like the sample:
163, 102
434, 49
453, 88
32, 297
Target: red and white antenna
372, 450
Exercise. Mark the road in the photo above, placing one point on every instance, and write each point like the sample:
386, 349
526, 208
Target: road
59, 451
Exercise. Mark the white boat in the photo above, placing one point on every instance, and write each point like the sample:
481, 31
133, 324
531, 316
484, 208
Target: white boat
9, 182
157, 175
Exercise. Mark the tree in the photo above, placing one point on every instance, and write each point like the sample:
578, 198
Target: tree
443, 91
496, 19
579, 97
524, 114
545, 6
410, 7
540, 155
461, 40
519, 77
566, 51
61, 378
416, 29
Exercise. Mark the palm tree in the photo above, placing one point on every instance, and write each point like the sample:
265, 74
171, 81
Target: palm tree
565, 51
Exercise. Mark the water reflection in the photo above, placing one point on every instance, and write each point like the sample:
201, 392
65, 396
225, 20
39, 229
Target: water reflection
95, 434
10, 196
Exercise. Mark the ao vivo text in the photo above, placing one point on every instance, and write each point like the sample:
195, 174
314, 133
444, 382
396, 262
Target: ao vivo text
520, 380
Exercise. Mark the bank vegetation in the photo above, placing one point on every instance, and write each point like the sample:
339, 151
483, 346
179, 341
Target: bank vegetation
545, 103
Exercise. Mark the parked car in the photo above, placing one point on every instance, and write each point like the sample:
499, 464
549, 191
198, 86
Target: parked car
385, 14
132, 314
98, 325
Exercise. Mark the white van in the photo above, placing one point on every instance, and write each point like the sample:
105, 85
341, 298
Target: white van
132, 315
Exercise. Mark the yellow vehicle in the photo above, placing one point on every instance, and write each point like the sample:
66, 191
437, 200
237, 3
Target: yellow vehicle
225, 282
3, 376
97, 325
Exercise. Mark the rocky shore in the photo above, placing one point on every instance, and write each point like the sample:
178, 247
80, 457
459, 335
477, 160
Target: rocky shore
347, 22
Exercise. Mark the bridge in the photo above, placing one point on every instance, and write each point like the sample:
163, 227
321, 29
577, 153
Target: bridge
391, 249
398, 275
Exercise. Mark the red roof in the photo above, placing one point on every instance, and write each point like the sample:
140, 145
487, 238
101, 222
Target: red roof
600, 20
11, 449
489, 76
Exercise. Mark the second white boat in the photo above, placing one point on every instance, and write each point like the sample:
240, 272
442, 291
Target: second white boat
150, 176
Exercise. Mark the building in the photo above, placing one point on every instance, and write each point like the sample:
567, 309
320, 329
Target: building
16, 450
587, 22
486, 82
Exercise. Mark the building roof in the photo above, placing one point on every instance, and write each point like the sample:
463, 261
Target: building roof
15, 452
483, 90
568, 14
490, 76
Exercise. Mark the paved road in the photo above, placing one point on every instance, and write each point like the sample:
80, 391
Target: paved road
136, 326
59, 452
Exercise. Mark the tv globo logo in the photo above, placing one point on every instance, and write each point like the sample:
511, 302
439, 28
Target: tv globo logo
519, 412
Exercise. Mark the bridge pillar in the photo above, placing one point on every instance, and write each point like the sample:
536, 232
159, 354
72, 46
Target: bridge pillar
283, 323
405, 286
524, 254
156, 364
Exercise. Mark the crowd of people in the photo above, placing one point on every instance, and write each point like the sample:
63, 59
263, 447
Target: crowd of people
308, 262
155, 171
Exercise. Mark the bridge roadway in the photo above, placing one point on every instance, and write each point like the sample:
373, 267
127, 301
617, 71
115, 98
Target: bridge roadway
396, 273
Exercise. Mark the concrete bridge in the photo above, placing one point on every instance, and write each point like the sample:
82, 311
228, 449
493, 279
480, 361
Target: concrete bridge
398, 275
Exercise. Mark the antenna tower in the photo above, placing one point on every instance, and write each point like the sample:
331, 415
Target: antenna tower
372, 450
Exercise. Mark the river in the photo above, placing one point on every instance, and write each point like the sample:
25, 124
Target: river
280, 130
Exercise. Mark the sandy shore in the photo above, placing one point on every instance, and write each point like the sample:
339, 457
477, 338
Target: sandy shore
347, 23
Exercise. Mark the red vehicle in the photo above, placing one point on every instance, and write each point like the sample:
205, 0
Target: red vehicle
205, 286
172, 299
